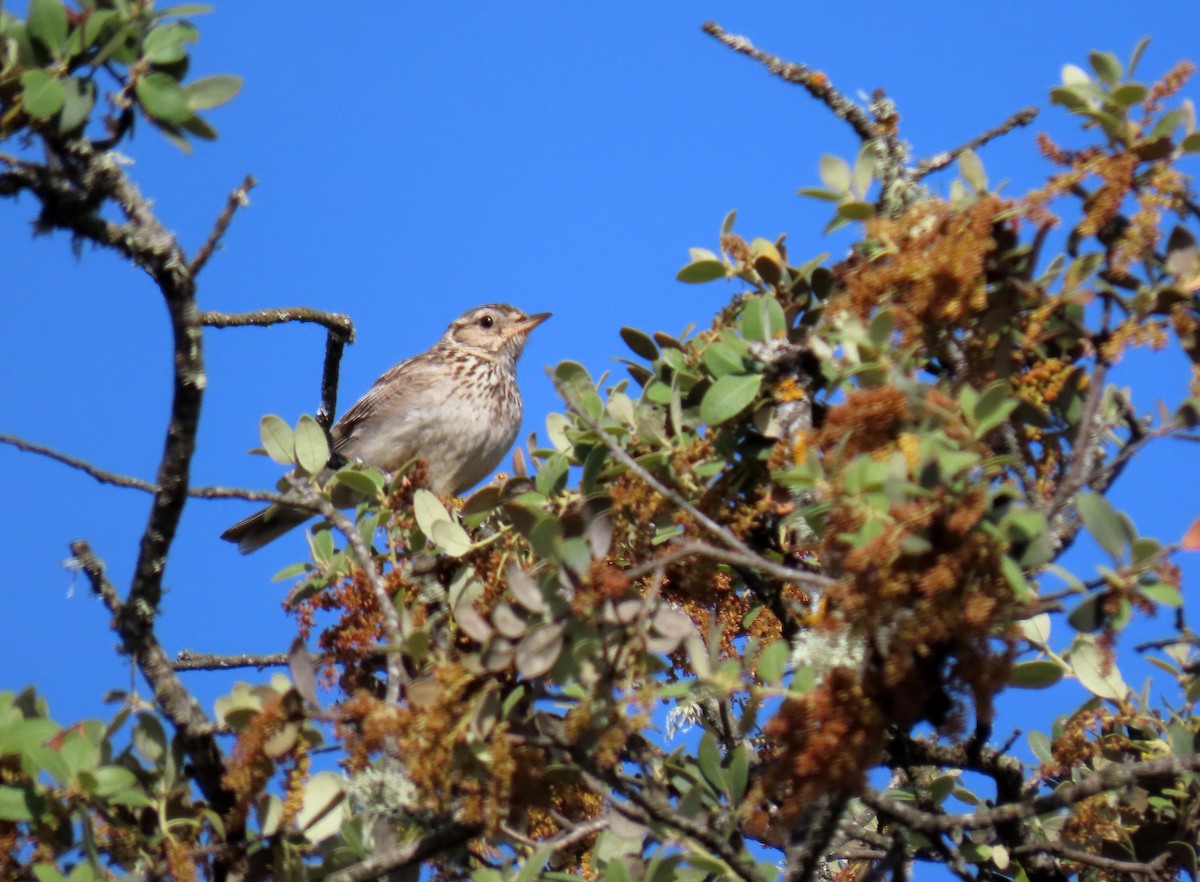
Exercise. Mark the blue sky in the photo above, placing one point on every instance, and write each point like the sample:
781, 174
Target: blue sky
415, 160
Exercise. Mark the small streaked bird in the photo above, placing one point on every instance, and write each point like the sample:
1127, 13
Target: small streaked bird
455, 406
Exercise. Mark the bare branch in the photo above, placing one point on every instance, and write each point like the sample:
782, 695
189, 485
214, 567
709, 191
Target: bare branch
237, 199
198, 661
335, 322
1111, 777
407, 855
814, 81
127, 481
939, 161
341, 332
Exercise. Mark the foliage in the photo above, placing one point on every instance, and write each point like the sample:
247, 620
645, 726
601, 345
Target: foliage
815, 539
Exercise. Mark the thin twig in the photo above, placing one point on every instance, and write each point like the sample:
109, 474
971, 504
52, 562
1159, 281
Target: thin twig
739, 552
131, 483
1112, 777
198, 661
939, 161
264, 318
340, 332
814, 81
237, 199
732, 557
407, 855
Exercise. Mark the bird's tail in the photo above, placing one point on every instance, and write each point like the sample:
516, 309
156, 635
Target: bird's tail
264, 526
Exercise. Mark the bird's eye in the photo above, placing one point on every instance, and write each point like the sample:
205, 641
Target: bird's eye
486, 321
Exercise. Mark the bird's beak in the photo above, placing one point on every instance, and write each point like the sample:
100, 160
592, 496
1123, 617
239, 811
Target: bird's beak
529, 324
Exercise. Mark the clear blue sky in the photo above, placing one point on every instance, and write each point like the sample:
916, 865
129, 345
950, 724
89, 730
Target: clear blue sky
418, 159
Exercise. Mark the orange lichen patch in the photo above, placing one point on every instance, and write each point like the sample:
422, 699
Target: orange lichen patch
931, 270
180, 860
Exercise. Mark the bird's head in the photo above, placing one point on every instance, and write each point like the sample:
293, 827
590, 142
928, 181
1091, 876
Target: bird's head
494, 329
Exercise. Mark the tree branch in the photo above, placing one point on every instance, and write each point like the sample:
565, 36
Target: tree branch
939, 161
1111, 777
815, 82
239, 198
409, 854
340, 332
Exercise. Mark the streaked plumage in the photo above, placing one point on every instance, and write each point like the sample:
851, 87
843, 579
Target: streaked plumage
455, 406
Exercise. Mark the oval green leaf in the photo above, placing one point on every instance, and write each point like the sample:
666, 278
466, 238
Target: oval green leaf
1037, 674
42, 95
311, 445
701, 271
728, 397
277, 440
47, 23
163, 98
213, 91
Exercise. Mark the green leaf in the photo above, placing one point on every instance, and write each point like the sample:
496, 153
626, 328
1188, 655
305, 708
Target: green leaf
206, 93
164, 45
78, 98
1107, 526
451, 537
1191, 143
1097, 671
835, 173
1106, 66
1039, 743
15, 804
48, 873
1162, 594
728, 396
762, 318
772, 662
163, 98
1037, 674
42, 95
277, 439
366, 482
641, 343
428, 511
1129, 94
539, 650
708, 757
185, 9
47, 23
972, 171
577, 388
311, 445
1166, 125
113, 779
324, 807
721, 359
993, 407
701, 271
23, 733
856, 210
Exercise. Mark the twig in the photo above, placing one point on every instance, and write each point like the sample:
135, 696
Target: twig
195, 730
939, 161
739, 552
198, 661
408, 854
340, 332
129, 482
237, 199
264, 318
815, 82
732, 557
807, 849
1111, 777
1087, 858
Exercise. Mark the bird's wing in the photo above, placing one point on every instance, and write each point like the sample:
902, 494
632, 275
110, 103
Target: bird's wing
395, 383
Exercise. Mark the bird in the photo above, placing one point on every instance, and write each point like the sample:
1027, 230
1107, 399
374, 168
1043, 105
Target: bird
455, 406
